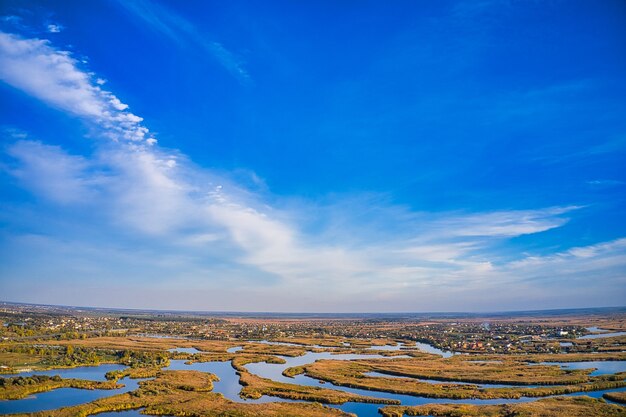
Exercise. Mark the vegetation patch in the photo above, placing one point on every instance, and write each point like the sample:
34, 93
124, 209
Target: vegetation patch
618, 397
352, 374
21, 387
255, 387
184, 393
549, 407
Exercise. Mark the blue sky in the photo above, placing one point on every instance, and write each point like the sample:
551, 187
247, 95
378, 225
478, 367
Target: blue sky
330, 156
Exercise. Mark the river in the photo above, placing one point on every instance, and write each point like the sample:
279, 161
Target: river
228, 385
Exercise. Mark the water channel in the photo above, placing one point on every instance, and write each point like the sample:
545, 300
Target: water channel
601, 335
228, 385
64, 397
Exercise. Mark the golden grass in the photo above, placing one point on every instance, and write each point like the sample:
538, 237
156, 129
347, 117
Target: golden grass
184, 393
268, 349
506, 372
618, 397
351, 374
255, 387
19, 360
550, 407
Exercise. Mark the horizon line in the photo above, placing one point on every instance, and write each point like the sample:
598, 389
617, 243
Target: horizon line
285, 313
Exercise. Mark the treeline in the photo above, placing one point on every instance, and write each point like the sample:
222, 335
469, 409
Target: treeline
78, 356
22, 381
132, 358
143, 359
69, 356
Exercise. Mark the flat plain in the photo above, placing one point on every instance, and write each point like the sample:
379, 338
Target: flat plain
203, 364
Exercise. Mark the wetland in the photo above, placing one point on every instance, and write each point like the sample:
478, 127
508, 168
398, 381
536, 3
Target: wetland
292, 366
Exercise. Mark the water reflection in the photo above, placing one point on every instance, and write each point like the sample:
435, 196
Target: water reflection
63, 397
603, 367
275, 371
228, 385
184, 350
425, 347
91, 373
601, 335
234, 349
128, 413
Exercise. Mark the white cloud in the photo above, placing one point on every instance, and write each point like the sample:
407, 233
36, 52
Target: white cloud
578, 272
53, 28
184, 206
118, 105
508, 223
162, 199
52, 173
576, 256
53, 76
437, 252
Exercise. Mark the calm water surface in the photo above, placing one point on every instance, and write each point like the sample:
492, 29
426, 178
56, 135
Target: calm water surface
185, 350
63, 397
596, 329
602, 335
92, 373
228, 385
234, 349
602, 367
230, 388
425, 347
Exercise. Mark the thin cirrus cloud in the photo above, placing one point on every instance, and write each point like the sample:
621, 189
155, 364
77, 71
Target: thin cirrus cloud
506, 223
64, 180
132, 185
575, 266
184, 33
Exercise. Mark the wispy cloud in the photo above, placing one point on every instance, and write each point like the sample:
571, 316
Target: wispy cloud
575, 266
66, 180
54, 77
187, 208
204, 227
612, 145
193, 216
54, 28
508, 223
13, 22
604, 183
183, 32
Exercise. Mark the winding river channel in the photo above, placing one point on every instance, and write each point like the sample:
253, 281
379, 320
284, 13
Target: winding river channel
228, 385
64, 397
